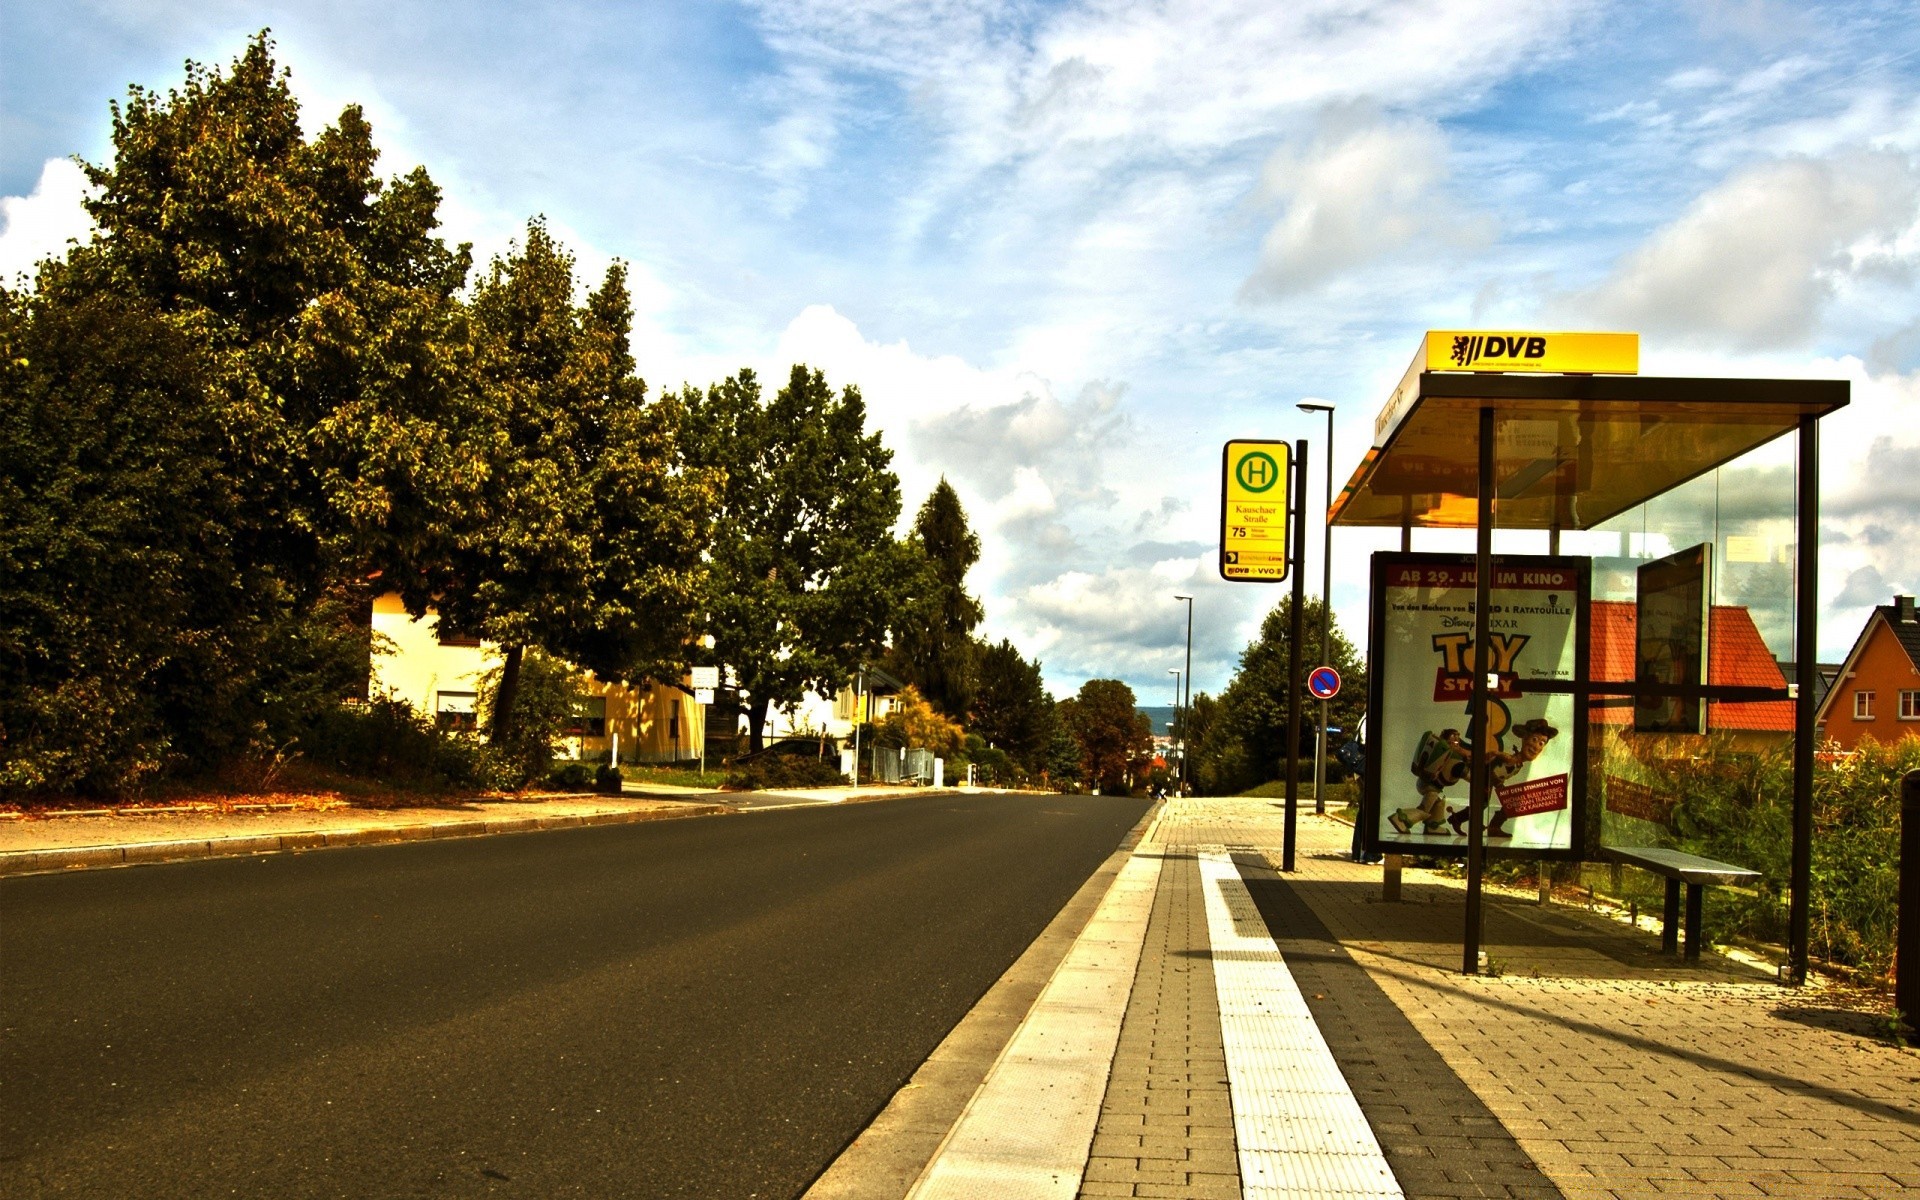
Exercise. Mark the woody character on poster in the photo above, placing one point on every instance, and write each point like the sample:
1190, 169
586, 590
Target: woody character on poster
1422, 719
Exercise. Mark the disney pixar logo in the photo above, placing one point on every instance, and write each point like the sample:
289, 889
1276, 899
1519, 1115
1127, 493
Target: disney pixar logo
1471, 348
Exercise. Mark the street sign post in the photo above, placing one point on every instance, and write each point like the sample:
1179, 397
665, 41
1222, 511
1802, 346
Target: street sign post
703, 680
1324, 683
1254, 516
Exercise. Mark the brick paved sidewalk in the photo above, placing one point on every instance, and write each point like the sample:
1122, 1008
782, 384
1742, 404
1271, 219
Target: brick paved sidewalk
1593, 1067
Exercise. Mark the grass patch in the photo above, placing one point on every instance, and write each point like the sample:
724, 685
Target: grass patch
687, 777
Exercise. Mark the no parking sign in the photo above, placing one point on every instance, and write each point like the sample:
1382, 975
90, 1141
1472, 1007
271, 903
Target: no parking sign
1324, 683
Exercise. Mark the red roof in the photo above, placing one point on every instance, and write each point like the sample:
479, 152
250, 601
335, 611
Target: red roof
1737, 656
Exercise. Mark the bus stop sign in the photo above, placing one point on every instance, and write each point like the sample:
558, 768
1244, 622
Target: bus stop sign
1254, 495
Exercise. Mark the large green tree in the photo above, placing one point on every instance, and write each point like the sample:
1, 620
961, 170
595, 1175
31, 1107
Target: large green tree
231, 400
322, 302
806, 575
933, 633
1116, 739
586, 537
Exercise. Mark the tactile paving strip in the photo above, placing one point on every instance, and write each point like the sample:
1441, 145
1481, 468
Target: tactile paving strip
1298, 1128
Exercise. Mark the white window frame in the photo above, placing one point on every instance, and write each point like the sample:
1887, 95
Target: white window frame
1863, 704
1910, 704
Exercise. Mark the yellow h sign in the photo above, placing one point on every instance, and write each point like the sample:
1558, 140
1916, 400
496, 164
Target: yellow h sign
1254, 494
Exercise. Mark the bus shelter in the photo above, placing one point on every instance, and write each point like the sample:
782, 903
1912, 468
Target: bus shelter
1621, 630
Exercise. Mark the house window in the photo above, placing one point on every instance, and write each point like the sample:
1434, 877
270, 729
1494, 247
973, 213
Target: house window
1910, 706
673, 727
456, 710
589, 717
449, 637
1863, 706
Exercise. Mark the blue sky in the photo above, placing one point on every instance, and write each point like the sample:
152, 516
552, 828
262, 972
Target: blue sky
1066, 250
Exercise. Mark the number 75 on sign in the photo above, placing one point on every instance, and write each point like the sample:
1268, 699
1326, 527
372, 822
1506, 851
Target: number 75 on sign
1254, 492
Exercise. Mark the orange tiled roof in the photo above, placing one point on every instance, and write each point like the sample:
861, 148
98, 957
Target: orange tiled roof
1737, 656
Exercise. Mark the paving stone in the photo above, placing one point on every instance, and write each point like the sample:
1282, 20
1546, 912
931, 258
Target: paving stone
1168, 1087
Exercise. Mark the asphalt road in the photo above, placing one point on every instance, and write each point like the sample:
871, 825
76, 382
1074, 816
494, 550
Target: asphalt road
709, 1007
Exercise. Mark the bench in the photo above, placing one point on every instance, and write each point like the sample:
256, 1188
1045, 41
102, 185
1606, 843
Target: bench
1678, 867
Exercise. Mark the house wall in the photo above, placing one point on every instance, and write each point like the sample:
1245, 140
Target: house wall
654, 724
417, 668
1884, 669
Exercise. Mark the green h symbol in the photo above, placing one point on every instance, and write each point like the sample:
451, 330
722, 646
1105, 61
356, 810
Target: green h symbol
1257, 472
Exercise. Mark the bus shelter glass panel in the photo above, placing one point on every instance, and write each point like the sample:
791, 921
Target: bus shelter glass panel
1690, 716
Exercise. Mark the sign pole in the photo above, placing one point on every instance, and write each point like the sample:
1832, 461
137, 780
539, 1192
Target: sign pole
1478, 722
1296, 631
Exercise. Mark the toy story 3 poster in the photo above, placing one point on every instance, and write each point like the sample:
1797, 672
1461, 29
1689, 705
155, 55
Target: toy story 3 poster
1424, 732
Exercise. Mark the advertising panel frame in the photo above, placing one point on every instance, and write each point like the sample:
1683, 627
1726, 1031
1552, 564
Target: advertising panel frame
1383, 774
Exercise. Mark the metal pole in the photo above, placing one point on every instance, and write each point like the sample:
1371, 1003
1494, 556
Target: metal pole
1477, 722
1806, 650
1175, 672
1326, 626
1186, 708
1906, 954
1295, 634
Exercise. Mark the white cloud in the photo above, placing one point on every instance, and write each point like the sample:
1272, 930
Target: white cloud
1755, 261
39, 225
1361, 189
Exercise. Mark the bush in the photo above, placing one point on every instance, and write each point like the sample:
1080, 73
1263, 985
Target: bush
783, 771
1738, 808
387, 741
607, 778
572, 777
545, 704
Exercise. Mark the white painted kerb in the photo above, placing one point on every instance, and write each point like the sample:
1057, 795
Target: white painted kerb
1028, 1130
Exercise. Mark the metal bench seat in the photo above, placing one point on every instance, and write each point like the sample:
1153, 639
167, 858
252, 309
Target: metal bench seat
1678, 867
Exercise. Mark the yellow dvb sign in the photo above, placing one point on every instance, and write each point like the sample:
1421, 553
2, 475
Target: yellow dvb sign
1253, 511
1532, 350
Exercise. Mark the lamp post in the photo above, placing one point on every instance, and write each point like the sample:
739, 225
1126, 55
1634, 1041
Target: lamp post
1175, 672
1185, 713
1326, 607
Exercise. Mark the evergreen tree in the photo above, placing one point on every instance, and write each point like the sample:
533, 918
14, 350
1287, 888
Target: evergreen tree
933, 643
805, 573
1011, 708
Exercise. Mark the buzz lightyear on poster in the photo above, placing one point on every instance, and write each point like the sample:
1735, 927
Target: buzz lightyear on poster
1427, 729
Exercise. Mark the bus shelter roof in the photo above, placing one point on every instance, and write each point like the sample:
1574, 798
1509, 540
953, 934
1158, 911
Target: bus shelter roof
1570, 451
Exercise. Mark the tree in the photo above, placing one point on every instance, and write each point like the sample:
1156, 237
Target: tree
1011, 708
1247, 737
220, 413
1116, 739
805, 574
586, 537
324, 306
933, 642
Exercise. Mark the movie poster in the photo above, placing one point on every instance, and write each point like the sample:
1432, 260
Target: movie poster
1422, 687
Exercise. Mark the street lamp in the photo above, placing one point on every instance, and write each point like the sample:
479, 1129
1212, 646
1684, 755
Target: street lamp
1326, 606
1185, 711
1175, 672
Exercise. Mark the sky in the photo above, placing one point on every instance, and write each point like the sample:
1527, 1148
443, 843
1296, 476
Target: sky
1068, 250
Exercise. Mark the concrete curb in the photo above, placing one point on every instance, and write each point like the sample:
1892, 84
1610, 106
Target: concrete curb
41, 862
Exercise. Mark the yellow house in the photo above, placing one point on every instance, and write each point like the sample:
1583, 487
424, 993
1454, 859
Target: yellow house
439, 674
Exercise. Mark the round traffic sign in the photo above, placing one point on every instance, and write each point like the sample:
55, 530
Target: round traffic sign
1324, 683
